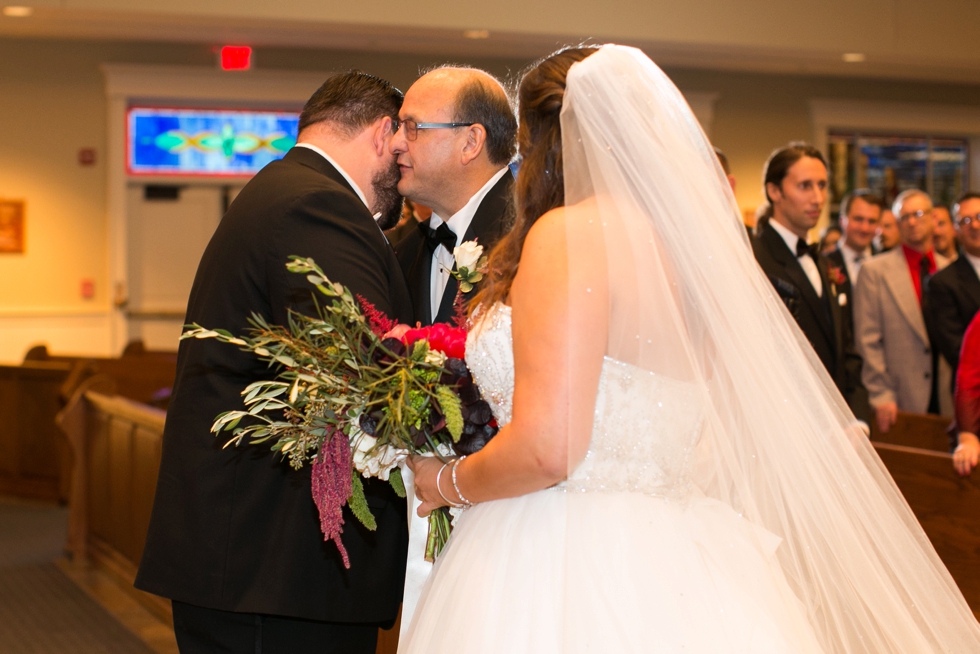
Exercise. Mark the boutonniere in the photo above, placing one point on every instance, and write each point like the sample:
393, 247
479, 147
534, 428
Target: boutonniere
836, 275
471, 264
837, 279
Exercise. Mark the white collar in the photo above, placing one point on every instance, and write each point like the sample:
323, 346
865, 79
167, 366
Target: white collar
460, 221
788, 236
850, 254
357, 189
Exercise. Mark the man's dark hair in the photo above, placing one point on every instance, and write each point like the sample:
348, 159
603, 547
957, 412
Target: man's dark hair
351, 101
865, 194
723, 160
781, 160
482, 101
970, 195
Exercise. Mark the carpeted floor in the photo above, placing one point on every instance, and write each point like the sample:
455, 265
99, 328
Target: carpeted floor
41, 610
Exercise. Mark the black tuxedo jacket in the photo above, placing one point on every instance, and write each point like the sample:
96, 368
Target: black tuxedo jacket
836, 260
822, 319
954, 298
491, 220
236, 529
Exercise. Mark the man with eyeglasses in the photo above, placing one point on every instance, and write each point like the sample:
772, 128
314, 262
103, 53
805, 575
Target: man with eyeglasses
891, 329
954, 293
456, 136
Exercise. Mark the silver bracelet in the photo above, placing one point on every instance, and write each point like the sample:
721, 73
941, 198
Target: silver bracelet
439, 487
462, 499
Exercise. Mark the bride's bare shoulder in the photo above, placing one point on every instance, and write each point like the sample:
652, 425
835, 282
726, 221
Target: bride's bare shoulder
555, 227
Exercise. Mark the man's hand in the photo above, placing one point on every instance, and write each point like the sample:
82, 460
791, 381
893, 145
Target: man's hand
967, 453
886, 415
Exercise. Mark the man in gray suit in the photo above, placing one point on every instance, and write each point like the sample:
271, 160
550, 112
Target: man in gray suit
891, 332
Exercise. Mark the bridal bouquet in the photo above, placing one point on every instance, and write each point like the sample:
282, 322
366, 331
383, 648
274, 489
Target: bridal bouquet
355, 394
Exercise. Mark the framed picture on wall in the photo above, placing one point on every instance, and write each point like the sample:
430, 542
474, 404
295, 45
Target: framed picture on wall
11, 226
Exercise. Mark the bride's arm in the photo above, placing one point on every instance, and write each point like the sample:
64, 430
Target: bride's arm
560, 324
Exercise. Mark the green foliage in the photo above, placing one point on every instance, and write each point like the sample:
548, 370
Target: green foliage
358, 503
396, 481
452, 410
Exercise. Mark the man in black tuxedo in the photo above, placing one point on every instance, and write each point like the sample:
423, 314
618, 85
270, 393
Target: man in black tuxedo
796, 187
234, 538
456, 137
954, 292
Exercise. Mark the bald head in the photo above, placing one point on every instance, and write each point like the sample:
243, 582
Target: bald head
479, 97
460, 130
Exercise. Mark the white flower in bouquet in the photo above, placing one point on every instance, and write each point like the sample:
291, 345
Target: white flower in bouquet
371, 460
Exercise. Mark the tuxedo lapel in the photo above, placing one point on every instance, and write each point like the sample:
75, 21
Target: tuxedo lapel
794, 271
968, 279
489, 222
898, 279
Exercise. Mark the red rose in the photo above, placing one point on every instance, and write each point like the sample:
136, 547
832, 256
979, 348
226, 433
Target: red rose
451, 341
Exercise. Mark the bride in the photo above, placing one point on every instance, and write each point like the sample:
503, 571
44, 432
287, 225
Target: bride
675, 471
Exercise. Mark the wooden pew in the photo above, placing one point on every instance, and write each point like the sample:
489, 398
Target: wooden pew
947, 506
116, 444
34, 457
926, 432
117, 447
916, 453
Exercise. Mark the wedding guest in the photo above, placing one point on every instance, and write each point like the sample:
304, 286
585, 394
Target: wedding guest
413, 213
888, 235
456, 137
954, 293
234, 538
967, 451
828, 239
795, 184
890, 328
723, 160
860, 213
943, 233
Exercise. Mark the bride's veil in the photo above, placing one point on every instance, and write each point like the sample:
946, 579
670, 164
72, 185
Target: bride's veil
778, 443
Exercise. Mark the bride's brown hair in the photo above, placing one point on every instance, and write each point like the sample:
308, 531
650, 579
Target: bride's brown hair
540, 185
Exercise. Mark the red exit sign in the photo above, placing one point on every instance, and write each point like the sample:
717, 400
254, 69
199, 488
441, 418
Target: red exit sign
236, 57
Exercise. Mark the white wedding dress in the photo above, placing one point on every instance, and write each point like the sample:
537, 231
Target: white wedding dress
626, 556
727, 503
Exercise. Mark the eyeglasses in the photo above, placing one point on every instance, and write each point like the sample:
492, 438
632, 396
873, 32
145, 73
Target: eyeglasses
967, 221
918, 215
412, 128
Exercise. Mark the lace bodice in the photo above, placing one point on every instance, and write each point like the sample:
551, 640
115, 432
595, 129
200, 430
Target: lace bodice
646, 425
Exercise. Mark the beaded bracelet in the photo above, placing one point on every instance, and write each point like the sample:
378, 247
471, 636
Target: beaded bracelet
462, 499
439, 488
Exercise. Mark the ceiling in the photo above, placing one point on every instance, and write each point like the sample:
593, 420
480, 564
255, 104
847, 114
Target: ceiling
775, 56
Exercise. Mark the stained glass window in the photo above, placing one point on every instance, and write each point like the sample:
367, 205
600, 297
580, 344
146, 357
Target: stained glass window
889, 165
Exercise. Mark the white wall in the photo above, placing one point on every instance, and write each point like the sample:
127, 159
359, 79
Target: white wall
53, 102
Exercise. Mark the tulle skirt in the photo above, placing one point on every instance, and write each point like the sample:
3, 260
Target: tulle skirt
561, 572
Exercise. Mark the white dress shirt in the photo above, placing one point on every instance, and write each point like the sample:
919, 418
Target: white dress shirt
442, 259
806, 262
357, 189
853, 260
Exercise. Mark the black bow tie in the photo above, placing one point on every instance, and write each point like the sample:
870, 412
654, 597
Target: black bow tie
802, 249
441, 235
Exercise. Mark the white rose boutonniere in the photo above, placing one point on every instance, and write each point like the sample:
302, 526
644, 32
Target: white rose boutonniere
470, 265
